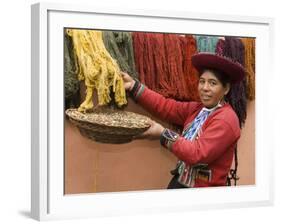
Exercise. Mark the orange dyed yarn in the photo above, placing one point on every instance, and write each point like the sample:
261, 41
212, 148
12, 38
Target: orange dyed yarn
249, 44
150, 60
163, 62
189, 48
175, 65
160, 62
162, 79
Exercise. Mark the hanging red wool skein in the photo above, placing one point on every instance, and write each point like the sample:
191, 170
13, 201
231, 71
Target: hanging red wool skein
161, 69
138, 45
175, 68
191, 75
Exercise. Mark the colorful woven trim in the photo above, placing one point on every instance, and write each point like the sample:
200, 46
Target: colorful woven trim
137, 90
167, 138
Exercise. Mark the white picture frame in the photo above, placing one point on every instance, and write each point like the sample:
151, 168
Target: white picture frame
48, 200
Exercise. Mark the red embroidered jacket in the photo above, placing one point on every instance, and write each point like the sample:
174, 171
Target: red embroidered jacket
216, 140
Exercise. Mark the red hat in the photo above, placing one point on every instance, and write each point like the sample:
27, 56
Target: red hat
234, 70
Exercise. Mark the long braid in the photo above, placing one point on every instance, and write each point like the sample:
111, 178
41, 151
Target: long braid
237, 98
233, 172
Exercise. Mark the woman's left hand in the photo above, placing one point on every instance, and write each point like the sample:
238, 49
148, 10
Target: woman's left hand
153, 133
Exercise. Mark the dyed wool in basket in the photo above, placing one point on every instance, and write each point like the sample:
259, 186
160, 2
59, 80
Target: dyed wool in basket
97, 68
120, 47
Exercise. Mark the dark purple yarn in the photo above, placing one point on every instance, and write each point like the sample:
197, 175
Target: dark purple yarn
237, 97
220, 47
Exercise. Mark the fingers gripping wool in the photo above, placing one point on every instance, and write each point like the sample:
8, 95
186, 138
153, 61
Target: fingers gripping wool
120, 47
97, 68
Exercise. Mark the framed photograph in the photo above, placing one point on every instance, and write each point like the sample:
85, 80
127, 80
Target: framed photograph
74, 175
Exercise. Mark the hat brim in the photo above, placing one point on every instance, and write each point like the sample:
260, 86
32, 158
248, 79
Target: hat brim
233, 70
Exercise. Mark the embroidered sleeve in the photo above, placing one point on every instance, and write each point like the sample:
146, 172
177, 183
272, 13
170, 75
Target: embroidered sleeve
137, 90
168, 137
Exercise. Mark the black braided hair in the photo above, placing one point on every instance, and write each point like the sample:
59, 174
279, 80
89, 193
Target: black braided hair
237, 97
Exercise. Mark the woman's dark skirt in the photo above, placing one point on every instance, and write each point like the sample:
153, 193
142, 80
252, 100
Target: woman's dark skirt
174, 184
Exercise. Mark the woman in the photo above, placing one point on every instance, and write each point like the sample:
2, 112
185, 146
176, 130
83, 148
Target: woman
211, 129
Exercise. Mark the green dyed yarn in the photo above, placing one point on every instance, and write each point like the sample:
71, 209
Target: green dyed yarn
206, 43
120, 47
71, 83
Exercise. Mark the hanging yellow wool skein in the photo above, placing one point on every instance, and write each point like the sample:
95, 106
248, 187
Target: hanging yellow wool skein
99, 70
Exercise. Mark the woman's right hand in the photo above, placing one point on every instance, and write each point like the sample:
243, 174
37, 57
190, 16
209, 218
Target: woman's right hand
153, 133
129, 82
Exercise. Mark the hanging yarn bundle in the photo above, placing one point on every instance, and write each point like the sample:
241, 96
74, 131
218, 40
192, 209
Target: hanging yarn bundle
97, 68
249, 44
189, 48
175, 65
120, 47
161, 70
206, 43
220, 46
138, 45
151, 62
150, 78
237, 98
71, 69
163, 62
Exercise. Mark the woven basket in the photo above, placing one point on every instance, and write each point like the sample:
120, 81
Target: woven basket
109, 126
